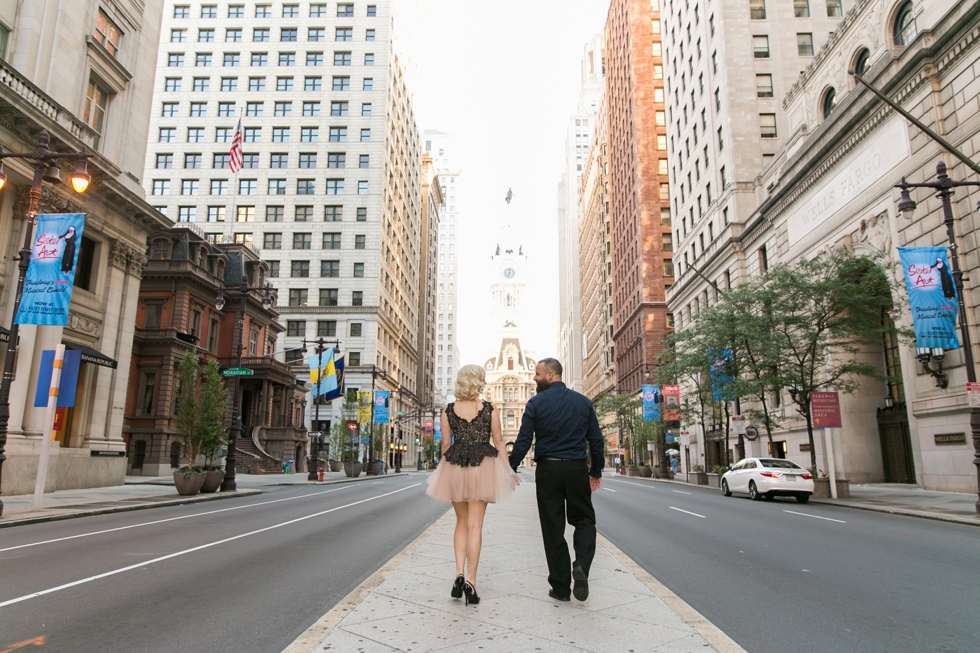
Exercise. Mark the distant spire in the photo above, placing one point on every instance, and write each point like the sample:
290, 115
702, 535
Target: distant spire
510, 196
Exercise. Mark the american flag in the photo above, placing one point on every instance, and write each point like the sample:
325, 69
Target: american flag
235, 155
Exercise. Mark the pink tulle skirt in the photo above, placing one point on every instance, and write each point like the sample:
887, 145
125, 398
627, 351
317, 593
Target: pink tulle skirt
492, 480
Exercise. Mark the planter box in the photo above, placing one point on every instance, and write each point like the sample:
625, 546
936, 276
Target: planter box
646, 472
714, 480
632, 471
336, 466
697, 478
212, 481
188, 485
821, 488
353, 470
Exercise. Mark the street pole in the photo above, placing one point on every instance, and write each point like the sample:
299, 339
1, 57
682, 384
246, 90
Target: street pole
314, 449
944, 191
42, 159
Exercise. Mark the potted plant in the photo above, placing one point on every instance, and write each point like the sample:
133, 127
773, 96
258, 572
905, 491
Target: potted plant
188, 479
352, 467
338, 432
714, 477
697, 475
821, 484
211, 416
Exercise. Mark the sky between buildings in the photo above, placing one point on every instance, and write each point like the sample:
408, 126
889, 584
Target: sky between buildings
503, 78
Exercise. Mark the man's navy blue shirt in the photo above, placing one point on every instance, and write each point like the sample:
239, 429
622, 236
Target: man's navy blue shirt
561, 422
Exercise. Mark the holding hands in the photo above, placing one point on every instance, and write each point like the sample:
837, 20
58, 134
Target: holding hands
595, 483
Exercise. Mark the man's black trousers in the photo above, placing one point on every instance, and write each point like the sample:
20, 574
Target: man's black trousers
563, 490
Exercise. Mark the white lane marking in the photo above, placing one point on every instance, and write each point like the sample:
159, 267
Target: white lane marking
680, 492
161, 521
803, 514
647, 487
671, 507
608, 489
196, 548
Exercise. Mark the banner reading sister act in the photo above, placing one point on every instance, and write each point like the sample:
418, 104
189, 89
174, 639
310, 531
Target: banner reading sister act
51, 273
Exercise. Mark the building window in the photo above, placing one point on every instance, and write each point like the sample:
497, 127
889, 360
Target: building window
358, 270
369, 59
329, 297
263, 11
335, 187
760, 46
333, 213
801, 8
372, 10
360, 241
362, 214
356, 328
341, 58
804, 45
763, 259
244, 214
84, 270
362, 188
330, 269
288, 35
295, 328
300, 269
668, 243
290, 11
311, 109
338, 134
354, 356
345, 11
339, 108
284, 83
302, 241
96, 105
256, 84
164, 162
757, 9
305, 186
298, 297
326, 328
331, 241
309, 134
178, 36
273, 269
344, 34
767, 125
274, 213
175, 60
364, 161
862, 61
721, 140
336, 160
357, 298
205, 36
763, 85
216, 214
107, 34
905, 31
280, 134
829, 102
668, 267
169, 110
369, 83
277, 187
834, 9
186, 213
278, 161
148, 386
303, 214
219, 186
369, 35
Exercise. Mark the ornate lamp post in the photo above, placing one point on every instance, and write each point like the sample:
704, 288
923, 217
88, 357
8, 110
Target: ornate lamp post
943, 186
243, 290
315, 441
45, 164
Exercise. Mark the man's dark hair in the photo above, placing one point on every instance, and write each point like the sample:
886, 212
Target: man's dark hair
552, 365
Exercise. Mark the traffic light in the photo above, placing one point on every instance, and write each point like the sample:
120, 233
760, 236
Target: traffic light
416, 441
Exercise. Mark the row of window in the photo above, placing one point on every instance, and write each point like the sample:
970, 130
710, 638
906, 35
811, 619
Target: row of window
297, 328
190, 187
261, 59
272, 214
804, 45
317, 10
256, 84
264, 35
299, 297
254, 135
801, 9
310, 109
301, 269
307, 160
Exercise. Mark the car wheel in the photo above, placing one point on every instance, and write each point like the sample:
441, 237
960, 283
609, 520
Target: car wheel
769, 496
802, 498
754, 492
724, 488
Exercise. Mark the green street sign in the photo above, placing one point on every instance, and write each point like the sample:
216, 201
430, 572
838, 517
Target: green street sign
237, 371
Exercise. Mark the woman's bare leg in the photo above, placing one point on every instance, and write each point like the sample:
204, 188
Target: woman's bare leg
459, 536
474, 537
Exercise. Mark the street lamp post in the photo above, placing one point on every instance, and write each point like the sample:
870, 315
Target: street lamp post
45, 164
315, 441
243, 290
943, 186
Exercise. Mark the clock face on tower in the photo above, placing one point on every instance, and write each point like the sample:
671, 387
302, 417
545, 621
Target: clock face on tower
509, 273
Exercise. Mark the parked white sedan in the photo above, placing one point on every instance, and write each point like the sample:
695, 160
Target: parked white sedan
768, 478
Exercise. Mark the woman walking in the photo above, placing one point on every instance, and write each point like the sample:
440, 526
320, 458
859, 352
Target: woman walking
473, 472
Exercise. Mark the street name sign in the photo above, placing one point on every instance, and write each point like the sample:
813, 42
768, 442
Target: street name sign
237, 371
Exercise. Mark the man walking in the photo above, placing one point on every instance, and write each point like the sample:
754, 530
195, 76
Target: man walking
566, 432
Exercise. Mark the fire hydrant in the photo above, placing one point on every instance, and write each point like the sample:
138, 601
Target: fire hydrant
320, 474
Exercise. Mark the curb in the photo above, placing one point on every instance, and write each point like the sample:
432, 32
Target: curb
903, 512
338, 481
218, 496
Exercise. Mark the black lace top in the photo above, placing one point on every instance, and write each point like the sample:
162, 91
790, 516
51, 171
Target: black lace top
471, 439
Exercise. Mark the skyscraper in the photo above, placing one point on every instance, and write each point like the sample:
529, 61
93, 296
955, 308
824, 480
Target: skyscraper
580, 127
329, 192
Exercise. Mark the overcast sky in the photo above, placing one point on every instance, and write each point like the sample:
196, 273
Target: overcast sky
503, 78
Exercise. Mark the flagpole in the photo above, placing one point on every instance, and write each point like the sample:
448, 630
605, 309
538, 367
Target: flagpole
234, 181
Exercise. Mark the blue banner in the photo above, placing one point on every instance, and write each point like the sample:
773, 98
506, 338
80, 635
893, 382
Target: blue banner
382, 406
438, 430
720, 371
932, 296
51, 273
338, 390
69, 378
323, 373
651, 403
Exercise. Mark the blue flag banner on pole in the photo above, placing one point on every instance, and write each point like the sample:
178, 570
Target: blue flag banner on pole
323, 374
69, 378
651, 403
932, 296
382, 406
720, 371
51, 273
338, 391
438, 430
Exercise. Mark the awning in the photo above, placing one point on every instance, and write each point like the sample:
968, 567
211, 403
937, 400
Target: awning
89, 355
4, 335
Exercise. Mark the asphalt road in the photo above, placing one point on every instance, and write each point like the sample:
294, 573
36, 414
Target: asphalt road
780, 576
243, 575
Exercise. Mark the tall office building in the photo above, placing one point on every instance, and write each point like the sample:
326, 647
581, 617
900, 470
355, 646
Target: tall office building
639, 214
432, 202
580, 127
441, 147
728, 67
330, 188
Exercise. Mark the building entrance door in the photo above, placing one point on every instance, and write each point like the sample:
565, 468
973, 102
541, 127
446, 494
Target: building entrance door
896, 444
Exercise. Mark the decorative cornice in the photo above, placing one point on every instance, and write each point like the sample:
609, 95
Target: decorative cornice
128, 258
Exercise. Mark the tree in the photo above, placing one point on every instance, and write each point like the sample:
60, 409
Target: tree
623, 408
185, 414
212, 407
200, 405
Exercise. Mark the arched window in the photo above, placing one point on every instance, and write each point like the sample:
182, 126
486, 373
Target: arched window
510, 418
904, 24
829, 102
510, 363
862, 61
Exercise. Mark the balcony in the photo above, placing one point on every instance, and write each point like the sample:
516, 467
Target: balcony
24, 92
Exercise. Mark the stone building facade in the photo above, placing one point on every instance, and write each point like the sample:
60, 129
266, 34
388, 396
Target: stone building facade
831, 187
432, 203
82, 71
639, 210
177, 315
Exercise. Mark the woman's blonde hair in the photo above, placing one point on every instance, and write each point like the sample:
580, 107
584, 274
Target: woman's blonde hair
470, 382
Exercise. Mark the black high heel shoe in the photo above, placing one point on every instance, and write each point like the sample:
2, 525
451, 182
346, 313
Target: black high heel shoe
470, 592
457, 592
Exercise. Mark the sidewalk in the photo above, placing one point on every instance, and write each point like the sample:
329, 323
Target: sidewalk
138, 493
894, 498
405, 606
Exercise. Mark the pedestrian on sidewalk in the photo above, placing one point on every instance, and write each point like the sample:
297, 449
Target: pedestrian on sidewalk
565, 432
473, 472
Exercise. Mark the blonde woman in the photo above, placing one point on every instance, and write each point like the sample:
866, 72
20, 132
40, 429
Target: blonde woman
473, 472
